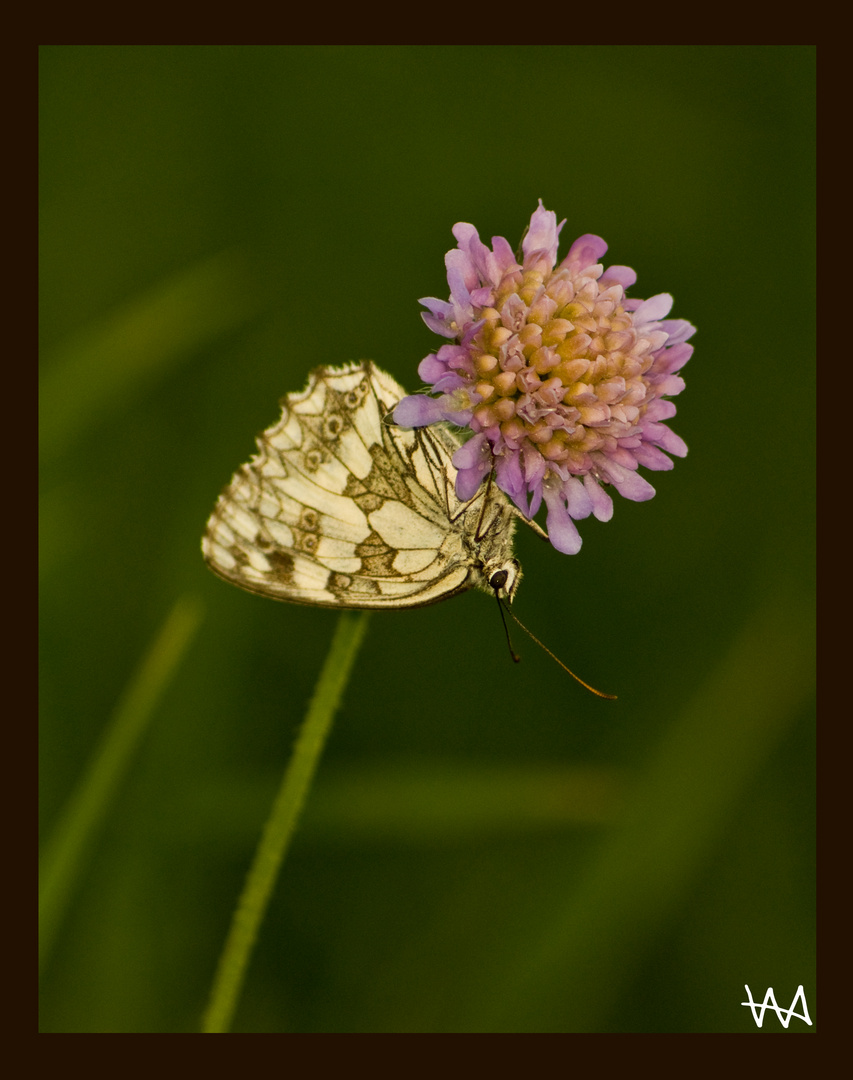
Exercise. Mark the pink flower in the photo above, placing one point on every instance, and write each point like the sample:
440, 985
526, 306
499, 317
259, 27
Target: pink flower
561, 378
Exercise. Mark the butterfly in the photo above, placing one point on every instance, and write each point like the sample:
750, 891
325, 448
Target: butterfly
342, 508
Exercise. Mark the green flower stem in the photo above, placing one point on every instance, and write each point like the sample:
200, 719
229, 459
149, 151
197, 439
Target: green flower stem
279, 829
64, 853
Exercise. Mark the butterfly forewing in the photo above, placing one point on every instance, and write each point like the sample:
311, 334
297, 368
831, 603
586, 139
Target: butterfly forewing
341, 508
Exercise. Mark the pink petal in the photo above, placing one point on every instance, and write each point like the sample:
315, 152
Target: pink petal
653, 309
602, 504
586, 251
679, 330
417, 410
438, 325
622, 275
672, 359
661, 436
562, 531
652, 458
431, 369
580, 504
542, 235
629, 484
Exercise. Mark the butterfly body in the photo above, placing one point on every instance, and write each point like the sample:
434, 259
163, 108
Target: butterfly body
342, 508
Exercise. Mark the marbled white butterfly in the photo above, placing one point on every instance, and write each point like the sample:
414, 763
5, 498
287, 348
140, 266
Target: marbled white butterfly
342, 508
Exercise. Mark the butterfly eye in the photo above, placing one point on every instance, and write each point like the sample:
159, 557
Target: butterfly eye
498, 579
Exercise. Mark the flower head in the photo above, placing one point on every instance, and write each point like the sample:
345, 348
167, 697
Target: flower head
560, 377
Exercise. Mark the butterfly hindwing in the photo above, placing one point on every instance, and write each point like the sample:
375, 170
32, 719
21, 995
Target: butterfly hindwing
341, 508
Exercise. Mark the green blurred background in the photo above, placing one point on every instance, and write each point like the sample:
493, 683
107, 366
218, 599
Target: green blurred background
487, 846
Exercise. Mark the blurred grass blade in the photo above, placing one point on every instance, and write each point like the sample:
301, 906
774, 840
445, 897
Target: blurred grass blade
280, 826
449, 802
412, 801
64, 853
129, 350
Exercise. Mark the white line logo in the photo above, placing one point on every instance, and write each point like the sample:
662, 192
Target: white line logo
783, 1015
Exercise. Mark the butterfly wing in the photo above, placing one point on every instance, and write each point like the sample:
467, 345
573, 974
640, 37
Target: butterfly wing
342, 509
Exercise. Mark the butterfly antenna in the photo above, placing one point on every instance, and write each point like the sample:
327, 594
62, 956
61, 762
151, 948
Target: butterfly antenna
516, 659
530, 634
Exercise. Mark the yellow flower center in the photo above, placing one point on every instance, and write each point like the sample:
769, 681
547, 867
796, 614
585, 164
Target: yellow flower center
560, 363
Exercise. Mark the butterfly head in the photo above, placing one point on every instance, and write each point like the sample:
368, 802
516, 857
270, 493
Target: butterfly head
503, 577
